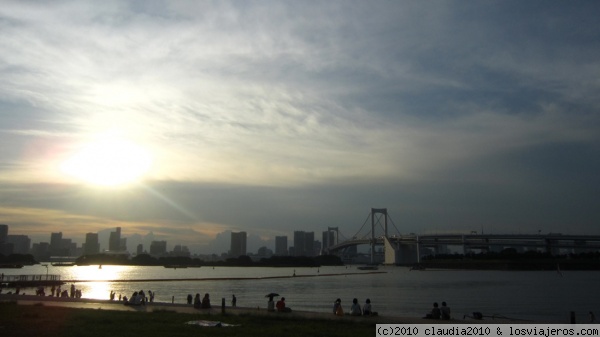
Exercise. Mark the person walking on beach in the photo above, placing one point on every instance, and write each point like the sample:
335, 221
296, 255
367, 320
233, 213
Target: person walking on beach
445, 311
355, 309
233, 300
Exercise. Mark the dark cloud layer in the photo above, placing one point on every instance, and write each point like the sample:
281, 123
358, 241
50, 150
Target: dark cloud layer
281, 116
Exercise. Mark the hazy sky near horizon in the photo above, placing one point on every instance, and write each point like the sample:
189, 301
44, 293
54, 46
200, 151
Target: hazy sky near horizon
188, 119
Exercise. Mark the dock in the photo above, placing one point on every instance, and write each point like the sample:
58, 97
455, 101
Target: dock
25, 281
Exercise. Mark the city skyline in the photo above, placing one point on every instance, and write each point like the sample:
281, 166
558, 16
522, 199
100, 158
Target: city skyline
102, 243
193, 120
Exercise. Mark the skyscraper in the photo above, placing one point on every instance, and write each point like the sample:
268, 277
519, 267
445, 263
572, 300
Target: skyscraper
56, 244
92, 246
4, 246
114, 240
281, 245
304, 243
238, 244
158, 248
3, 233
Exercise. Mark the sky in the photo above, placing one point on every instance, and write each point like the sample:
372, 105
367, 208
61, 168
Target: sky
184, 120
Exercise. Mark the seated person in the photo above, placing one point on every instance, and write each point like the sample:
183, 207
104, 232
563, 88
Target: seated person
206, 302
435, 312
355, 309
367, 308
281, 306
445, 311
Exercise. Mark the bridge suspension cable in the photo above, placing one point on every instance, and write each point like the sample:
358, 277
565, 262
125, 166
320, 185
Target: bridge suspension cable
361, 227
393, 224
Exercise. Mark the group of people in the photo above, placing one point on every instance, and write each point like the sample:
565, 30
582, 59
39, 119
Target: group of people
137, 298
58, 292
355, 309
203, 303
439, 313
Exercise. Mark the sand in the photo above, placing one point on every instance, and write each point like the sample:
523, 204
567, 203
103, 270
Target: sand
86, 303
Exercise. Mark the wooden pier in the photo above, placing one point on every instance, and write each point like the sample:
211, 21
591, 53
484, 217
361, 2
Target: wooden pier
24, 281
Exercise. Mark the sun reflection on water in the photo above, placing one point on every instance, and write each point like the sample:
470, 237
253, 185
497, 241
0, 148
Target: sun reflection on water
98, 275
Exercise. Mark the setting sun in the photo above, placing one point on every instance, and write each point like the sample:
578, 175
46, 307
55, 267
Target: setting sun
109, 161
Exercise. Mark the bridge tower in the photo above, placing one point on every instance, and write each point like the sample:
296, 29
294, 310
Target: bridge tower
327, 239
385, 228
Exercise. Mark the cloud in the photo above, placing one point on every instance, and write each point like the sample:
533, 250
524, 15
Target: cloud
273, 117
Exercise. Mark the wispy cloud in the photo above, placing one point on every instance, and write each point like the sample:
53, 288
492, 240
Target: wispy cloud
283, 96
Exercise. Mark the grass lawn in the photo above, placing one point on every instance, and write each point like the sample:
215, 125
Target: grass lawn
39, 320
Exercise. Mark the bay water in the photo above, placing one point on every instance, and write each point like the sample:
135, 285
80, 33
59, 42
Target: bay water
393, 291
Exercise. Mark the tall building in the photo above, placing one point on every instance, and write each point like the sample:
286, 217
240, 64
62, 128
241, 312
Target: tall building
114, 240
20, 243
140, 249
56, 244
304, 243
281, 246
5, 248
41, 251
238, 244
91, 245
123, 245
158, 248
3, 233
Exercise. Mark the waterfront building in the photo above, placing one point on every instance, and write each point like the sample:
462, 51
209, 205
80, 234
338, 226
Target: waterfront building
114, 240
91, 245
20, 243
3, 233
238, 244
281, 245
304, 243
4, 246
158, 248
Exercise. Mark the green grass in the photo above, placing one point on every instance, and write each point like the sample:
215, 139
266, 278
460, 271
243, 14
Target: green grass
21, 320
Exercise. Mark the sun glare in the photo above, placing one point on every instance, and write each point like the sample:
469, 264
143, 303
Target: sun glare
109, 161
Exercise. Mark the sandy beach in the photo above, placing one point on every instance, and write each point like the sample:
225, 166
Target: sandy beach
216, 309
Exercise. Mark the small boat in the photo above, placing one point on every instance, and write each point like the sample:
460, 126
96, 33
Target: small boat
368, 268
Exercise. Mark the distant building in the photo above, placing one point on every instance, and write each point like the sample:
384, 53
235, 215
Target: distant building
20, 243
123, 245
41, 251
180, 250
3, 233
264, 252
91, 245
281, 245
114, 240
140, 249
238, 244
56, 244
304, 243
158, 248
5, 248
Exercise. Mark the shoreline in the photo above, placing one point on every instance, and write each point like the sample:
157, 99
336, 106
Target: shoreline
96, 304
